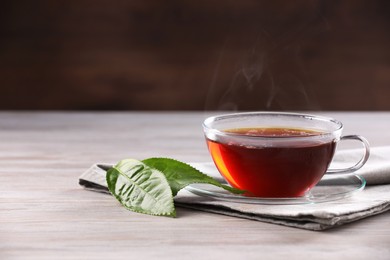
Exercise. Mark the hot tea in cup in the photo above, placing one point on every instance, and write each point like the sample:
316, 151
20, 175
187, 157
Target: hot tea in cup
275, 154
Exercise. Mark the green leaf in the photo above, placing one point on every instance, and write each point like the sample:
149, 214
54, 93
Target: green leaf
180, 174
141, 188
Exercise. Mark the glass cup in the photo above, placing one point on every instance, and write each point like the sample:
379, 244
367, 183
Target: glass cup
276, 155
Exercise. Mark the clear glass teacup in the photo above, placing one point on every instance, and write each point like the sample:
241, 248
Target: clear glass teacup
274, 154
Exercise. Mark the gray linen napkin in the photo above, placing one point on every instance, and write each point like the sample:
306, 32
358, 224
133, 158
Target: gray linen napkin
374, 199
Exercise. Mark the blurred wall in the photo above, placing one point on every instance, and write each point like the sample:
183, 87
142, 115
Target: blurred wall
195, 55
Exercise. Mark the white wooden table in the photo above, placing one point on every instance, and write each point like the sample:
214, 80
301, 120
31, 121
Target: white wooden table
45, 214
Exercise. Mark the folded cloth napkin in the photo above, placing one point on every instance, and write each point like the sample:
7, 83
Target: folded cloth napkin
374, 199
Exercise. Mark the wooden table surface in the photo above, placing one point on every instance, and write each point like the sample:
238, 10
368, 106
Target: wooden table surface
45, 214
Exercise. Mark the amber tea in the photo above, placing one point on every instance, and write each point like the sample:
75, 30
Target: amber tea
281, 171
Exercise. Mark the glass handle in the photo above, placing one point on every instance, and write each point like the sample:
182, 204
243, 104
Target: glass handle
362, 161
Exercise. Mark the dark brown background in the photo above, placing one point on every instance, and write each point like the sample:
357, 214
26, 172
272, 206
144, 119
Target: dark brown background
195, 55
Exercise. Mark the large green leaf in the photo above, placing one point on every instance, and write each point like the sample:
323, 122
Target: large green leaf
180, 174
141, 188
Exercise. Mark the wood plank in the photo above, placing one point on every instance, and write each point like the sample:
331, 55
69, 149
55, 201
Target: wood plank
44, 214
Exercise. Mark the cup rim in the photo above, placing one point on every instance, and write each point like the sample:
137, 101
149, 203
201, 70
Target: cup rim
215, 131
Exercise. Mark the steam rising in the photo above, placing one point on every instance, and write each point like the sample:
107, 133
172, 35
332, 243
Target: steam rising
269, 76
